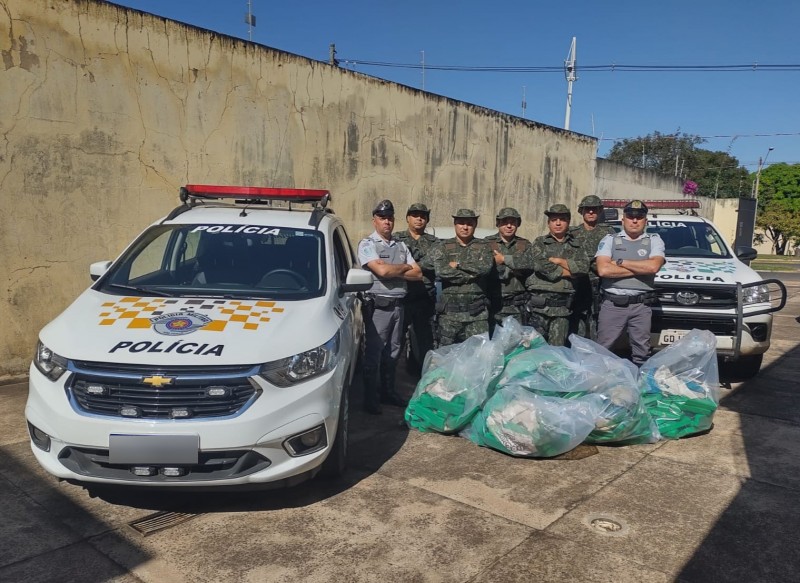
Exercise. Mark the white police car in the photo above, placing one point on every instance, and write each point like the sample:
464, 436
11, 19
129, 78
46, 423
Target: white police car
215, 351
705, 285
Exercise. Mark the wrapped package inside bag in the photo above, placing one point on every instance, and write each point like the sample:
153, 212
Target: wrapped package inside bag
680, 385
624, 418
545, 370
515, 338
587, 368
454, 384
521, 423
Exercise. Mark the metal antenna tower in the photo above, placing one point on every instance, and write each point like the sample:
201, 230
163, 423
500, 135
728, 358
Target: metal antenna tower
423, 70
570, 72
524, 103
250, 20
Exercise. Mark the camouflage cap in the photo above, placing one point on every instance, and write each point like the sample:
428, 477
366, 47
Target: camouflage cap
558, 209
590, 201
508, 213
418, 207
465, 214
384, 208
634, 206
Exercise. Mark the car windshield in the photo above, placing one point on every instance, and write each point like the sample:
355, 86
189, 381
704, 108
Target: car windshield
687, 238
230, 261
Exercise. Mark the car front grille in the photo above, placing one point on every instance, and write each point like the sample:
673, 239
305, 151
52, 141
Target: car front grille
718, 326
723, 298
151, 392
211, 465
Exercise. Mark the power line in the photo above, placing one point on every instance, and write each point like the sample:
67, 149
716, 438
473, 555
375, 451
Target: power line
613, 67
708, 137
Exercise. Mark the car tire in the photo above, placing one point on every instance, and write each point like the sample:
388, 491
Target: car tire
336, 462
746, 367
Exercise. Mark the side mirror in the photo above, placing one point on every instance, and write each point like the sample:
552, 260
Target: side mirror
746, 253
98, 269
358, 280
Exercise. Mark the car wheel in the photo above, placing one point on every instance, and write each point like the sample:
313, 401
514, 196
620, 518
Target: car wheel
746, 367
336, 462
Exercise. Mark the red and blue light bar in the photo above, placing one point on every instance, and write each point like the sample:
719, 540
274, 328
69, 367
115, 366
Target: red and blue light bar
254, 193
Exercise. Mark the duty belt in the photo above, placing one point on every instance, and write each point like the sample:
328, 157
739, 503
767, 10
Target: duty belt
621, 301
386, 303
538, 301
474, 308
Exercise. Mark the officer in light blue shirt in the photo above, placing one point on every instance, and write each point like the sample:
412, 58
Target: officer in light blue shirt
627, 263
392, 265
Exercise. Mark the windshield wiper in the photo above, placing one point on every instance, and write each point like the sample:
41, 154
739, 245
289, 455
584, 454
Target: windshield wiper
140, 290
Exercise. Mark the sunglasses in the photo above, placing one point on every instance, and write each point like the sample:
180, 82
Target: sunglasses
591, 209
636, 216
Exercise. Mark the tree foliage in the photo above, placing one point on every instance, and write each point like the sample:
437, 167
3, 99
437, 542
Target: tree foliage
717, 174
779, 205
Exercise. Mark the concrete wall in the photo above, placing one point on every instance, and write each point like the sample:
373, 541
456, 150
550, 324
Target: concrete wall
105, 112
618, 181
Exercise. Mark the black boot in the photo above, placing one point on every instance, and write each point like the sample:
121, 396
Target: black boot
372, 402
389, 396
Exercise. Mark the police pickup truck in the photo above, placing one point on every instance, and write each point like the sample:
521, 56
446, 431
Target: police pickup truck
704, 284
216, 350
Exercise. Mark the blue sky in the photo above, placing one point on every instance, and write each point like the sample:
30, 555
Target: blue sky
532, 33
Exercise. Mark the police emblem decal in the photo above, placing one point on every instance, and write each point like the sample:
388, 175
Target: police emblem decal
179, 323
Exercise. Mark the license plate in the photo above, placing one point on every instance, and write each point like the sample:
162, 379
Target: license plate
671, 336
153, 449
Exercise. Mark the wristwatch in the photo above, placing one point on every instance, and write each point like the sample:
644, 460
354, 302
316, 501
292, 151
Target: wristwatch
619, 261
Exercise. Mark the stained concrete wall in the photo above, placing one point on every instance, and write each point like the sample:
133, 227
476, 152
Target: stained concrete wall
618, 181
105, 112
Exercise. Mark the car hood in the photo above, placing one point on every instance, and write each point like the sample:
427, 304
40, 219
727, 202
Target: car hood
187, 331
709, 271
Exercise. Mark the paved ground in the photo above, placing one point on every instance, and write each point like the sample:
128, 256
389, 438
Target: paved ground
421, 507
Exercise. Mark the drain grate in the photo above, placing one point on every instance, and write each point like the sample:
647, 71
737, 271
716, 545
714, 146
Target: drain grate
159, 521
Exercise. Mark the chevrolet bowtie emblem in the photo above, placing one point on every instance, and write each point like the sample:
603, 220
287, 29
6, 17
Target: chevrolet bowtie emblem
157, 381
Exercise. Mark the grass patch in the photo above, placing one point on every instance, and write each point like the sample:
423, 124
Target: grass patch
773, 266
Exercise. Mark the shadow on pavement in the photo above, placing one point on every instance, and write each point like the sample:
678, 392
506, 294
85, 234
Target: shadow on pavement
374, 439
46, 535
757, 537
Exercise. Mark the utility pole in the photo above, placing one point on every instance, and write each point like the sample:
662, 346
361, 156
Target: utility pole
423, 70
332, 60
250, 20
570, 72
758, 172
524, 103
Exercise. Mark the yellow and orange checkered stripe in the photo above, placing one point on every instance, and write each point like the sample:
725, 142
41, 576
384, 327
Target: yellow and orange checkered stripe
136, 312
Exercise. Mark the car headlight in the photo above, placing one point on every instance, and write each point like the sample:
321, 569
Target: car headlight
757, 294
300, 367
48, 362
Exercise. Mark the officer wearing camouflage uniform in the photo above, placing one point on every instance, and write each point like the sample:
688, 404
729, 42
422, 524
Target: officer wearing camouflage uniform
420, 302
557, 259
513, 264
587, 286
392, 265
627, 263
465, 265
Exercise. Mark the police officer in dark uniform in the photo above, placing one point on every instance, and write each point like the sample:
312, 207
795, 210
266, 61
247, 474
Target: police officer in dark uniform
587, 286
557, 259
627, 264
464, 264
420, 301
392, 265
513, 265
